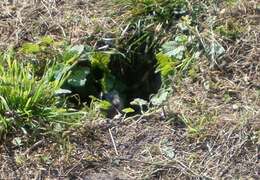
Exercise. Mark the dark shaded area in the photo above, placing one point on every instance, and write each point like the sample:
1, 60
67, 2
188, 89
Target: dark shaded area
138, 74
132, 73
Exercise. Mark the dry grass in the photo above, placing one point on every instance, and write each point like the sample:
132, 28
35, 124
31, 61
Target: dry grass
209, 128
74, 21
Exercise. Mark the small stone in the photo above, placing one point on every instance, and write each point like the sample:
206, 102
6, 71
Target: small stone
235, 107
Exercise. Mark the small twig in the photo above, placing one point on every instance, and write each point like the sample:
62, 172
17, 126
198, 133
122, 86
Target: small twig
37, 144
113, 141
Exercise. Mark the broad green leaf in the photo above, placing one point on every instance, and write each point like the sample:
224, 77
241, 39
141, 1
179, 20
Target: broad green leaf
168, 46
69, 57
30, 48
128, 110
72, 54
177, 52
47, 40
165, 64
78, 76
166, 70
100, 60
105, 105
176, 48
78, 49
160, 97
181, 39
139, 102
215, 49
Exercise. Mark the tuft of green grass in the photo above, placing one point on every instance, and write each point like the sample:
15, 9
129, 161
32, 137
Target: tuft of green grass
158, 10
195, 128
29, 102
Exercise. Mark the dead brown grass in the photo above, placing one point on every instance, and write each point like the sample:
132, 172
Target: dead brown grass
209, 128
75, 21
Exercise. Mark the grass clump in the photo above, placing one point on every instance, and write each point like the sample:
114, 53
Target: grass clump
28, 102
158, 10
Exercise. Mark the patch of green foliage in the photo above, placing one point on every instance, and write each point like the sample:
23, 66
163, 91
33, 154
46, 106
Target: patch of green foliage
177, 56
86, 71
26, 100
231, 30
149, 27
40, 52
29, 102
172, 33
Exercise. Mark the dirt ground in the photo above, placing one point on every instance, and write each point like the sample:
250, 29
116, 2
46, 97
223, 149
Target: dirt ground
208, 129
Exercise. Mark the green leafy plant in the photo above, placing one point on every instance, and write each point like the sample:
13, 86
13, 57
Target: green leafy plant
40, 53
176, 56
26, 101
88, 73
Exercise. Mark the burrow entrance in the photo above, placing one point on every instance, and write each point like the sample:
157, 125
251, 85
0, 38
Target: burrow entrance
139, 76
120, 77
130, 77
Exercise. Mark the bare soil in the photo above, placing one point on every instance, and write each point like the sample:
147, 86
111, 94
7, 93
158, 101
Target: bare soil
208, 129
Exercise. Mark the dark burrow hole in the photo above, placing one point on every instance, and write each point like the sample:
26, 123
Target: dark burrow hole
133, 71
138, 74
